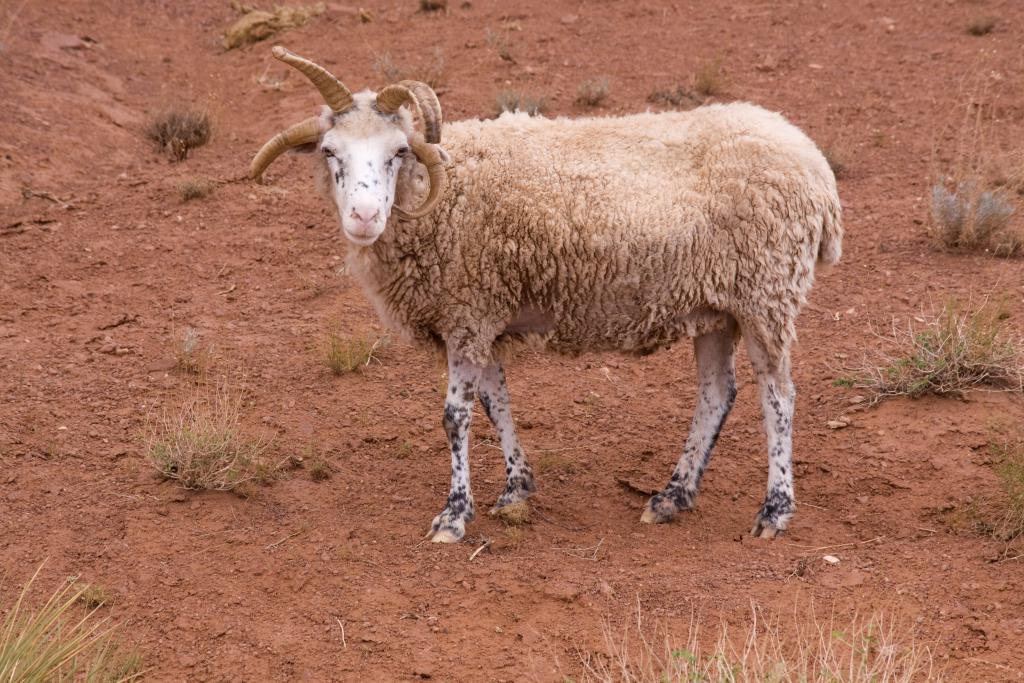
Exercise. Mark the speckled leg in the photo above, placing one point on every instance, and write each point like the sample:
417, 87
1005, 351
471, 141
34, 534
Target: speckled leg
463, 380
777, 401
494, 396
715, 396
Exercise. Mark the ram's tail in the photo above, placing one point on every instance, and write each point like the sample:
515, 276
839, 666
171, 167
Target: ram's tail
831, 247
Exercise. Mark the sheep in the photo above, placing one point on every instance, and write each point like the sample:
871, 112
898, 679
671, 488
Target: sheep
593, 234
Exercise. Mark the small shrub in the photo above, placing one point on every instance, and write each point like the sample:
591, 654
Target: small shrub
179, 131
982, 26
432, 72
189, 357
710, 79
95, 596
202, 446
950, 353
678, 97
1008, 452
194, 188
344, 355
769, 648
53, 643
593, 92
499, 42
433, 5
965, 216
515, 101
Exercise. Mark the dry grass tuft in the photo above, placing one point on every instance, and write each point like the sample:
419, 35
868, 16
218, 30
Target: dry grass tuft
203, 447
178, 131
678, 97
349, 354
431, 72
56, 643
194, 188
947, 354
516, 514
255, 24
95, 596
515, 101
710, 79
977, 183
982, 26
593, 91
189, 356
1007, 450
854, 650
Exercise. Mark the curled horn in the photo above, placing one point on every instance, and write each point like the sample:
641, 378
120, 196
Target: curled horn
430, 157
421, 98
301, 133
334, 92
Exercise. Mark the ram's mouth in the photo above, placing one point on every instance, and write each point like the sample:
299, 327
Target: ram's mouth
359, 240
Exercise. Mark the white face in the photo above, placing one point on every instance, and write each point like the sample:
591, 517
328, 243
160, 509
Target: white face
364, 172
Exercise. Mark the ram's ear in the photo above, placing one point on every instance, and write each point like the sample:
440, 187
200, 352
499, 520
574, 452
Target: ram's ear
445, 157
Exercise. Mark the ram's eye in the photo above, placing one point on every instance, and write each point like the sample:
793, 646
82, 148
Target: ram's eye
402, 151
328, 152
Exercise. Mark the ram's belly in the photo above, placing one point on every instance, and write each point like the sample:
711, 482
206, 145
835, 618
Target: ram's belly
642, 332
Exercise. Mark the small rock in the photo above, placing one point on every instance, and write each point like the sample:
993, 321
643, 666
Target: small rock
857, 399
837, 424
568, 19
831, 559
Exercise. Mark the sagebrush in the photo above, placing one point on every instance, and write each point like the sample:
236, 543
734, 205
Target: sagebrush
516, 101
203, 446
343, 355
856, 649
178, 131
947, 353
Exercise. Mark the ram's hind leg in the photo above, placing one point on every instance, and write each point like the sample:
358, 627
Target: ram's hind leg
777, 402
463, 381
715, 396
494, 396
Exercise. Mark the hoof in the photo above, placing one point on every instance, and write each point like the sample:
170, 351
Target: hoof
447, 528
770, 526
659, 510
444, 536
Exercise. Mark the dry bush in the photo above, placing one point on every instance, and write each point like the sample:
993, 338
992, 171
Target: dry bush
515, 101
947, 354
178, 131
710, 79
54, 643
976, 190
804, 649
593, 91
432, 72
1007, 450
982, 26
202, 446
678, 97
343, 355
433, 5
255, 24
93, 596
500, 43
189, 356
194, 188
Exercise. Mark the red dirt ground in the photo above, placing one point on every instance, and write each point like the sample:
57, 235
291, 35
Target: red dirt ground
201, 587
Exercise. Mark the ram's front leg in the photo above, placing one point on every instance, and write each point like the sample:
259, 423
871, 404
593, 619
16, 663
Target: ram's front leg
463, 380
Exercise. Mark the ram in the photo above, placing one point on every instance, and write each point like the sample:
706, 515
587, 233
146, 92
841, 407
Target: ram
621, 233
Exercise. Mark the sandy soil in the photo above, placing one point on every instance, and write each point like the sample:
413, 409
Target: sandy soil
102, 266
